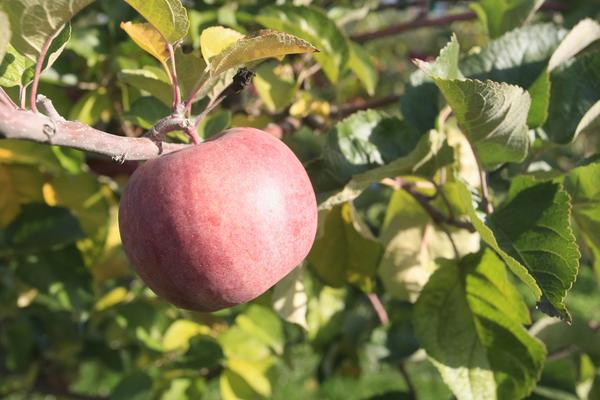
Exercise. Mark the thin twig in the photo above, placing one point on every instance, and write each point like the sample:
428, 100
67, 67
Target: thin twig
436, 216
348, 109
38, 69
175, 81
412, 393
379, 309
488, 207
420, 22
414, 24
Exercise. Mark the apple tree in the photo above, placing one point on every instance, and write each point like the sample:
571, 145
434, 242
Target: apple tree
303, 199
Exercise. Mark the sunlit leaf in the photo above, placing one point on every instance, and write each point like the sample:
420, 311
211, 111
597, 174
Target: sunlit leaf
263, 44
499, 16
361, 64
148, 38
113, 297
581, 36
33, 23
215, 39
469, 319
289, 298
492, 115
275, 87
430, 153
531, 232
169, 17
4, 34
180, 332
312, 25
15, 69
342, 253
583, 185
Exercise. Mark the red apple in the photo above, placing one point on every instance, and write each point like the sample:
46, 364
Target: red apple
219, 223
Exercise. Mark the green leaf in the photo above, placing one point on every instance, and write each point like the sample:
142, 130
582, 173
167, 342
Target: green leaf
431, 153
581, 36
60, 277
58, 45
575, 89
203, 352
344, 251
275, 86
190, 70
33, 23
445, 66
264, 325
531, 232
361, 64
289, 298
15, 69
412, 243
40, 227
263, 44
583, 185
312, 25
540, 101
92, 107
493, 116
149, 79
4, 34
135, 386
214, 123
500, 16
365, 140
520, 57
469, 319
590, 121
146, 111
169, 17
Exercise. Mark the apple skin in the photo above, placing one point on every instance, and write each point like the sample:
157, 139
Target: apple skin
219, 223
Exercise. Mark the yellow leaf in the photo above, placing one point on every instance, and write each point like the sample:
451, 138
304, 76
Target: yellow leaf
148, 38
49, 194
115, 296
180, 332
215, 39
254, 376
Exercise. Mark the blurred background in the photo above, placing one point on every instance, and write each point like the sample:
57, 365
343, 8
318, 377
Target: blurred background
77, 323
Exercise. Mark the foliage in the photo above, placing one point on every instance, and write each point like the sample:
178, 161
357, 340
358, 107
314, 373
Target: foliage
458, 251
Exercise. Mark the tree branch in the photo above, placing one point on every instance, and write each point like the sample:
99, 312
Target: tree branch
26, 125
420, 22
414, 24
351, 108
